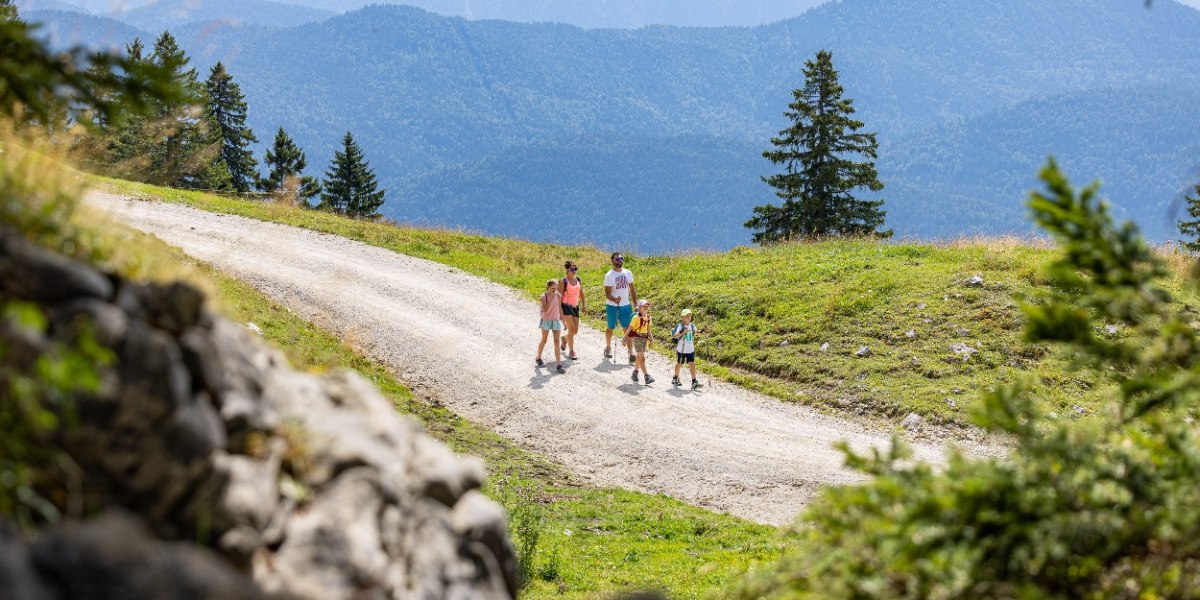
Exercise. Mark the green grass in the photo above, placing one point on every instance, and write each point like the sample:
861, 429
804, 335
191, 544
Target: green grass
594, 542
771, 309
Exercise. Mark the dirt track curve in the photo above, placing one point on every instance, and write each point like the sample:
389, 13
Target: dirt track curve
470, 343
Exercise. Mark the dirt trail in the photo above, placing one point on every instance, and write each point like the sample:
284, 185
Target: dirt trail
470, 343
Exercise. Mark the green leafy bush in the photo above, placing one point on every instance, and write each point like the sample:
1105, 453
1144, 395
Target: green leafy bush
38, 391
1096, 507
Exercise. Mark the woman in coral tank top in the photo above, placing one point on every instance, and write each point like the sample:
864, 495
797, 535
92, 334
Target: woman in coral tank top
573, 304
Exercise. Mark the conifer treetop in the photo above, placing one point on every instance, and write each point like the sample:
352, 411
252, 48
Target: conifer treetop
350, 187
820, 175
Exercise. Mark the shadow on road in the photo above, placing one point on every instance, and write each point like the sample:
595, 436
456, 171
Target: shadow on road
608, 366
542, 376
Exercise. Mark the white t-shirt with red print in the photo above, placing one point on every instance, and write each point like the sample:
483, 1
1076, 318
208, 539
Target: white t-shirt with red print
619, 281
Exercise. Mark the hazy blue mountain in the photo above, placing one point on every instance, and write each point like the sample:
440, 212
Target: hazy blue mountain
427, 90
167, 14
98, 7
974, 176
448, 109
585, 13
26, 6
971, 177
651, 194
600, 13
608, 13
623, 13
70, 28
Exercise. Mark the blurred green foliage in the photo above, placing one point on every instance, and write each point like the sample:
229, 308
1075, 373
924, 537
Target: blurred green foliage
35, 475
56, 88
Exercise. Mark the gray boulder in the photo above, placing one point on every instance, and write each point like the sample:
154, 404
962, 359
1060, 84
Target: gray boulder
313, 486
115, 557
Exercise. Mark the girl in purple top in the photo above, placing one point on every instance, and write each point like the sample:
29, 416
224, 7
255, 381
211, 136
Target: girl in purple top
551, 309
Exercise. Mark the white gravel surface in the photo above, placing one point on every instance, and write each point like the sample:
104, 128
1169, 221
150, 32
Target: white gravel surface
470, 344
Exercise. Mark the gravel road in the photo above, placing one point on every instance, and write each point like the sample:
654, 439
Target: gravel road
470, 343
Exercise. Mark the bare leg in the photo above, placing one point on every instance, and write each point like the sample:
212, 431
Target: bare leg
678, 365
691, 366
557, 352
574, 332
542, 344
608, 339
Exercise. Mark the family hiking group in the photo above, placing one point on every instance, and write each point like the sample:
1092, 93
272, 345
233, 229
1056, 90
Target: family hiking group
564, 301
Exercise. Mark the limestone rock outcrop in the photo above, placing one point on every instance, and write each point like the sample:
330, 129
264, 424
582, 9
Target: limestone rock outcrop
312, 486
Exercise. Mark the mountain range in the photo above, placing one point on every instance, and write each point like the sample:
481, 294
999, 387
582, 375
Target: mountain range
488, 124
584, 13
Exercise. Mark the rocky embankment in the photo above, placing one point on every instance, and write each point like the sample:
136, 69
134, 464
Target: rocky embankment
293, 485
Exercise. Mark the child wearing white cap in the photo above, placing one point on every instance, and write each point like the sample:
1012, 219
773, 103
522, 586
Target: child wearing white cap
684, 336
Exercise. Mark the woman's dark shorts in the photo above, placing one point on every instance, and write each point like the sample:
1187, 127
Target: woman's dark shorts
682, 358
570, 311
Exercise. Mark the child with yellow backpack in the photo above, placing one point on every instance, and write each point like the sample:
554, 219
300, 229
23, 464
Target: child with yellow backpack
639, 331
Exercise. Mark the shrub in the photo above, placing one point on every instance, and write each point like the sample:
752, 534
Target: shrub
526, 520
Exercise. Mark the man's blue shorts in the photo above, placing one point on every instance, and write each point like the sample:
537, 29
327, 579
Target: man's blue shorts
615, 313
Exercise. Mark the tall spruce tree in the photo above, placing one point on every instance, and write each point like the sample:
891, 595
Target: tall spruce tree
820, 175
183, 141
287, 162
1192, 228
350, 187
226, 110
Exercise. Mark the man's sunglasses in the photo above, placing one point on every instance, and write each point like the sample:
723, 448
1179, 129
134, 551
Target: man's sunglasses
619, 259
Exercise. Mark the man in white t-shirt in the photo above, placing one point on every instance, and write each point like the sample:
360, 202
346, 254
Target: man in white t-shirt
620, 296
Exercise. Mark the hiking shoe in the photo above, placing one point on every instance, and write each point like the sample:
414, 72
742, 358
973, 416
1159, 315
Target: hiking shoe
696, 385
608, 353
540, 363
632, 358
649, 379
635, 377
559, 369
563, 345
573, 357
675, 382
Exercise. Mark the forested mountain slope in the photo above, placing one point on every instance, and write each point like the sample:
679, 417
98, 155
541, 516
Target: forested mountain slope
455, 113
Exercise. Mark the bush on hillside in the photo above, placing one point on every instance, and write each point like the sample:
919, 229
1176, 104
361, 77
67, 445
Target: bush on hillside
1098, 507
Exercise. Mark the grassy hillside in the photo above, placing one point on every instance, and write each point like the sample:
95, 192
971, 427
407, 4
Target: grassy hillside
772, 310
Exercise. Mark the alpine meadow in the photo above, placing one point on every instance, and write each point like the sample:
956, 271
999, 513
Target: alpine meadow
852, 299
